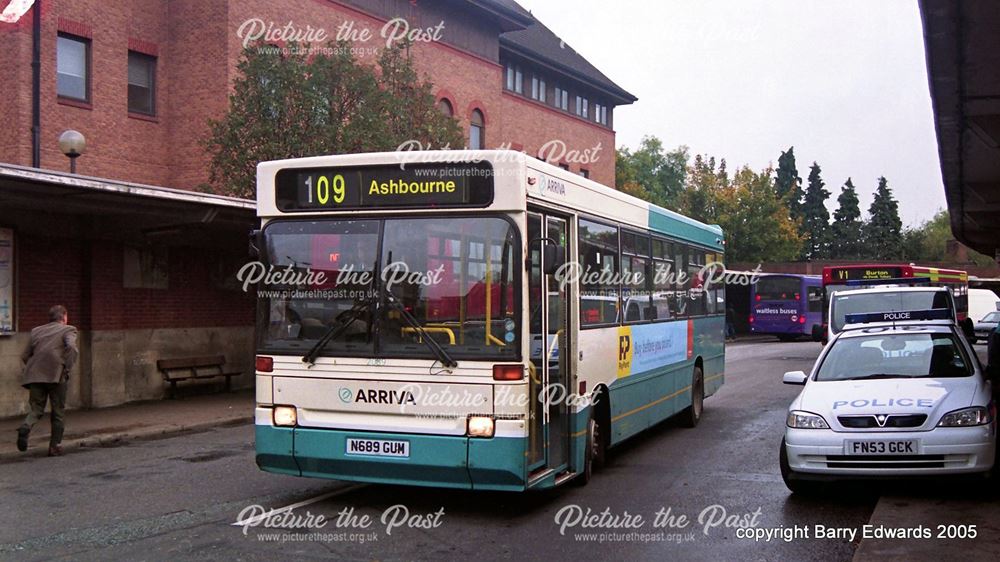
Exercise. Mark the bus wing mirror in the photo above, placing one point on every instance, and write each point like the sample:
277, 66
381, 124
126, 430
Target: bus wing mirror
555, 257
256, 243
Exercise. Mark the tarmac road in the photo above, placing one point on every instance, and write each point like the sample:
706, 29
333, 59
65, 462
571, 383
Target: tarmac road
177, 498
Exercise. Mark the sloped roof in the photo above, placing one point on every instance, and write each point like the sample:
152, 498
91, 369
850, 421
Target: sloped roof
539, 42
510, 13
509, 7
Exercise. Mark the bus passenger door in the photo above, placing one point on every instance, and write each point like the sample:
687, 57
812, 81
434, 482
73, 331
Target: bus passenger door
549, 313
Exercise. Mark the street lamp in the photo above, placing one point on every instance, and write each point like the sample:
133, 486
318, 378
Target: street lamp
72, 144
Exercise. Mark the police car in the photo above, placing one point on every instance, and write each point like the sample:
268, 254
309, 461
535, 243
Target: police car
914, 296
893, 394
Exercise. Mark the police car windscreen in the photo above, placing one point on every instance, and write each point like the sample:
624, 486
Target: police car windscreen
895, 355
885, 302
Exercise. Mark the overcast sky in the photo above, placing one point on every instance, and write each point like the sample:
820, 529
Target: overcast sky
843, 82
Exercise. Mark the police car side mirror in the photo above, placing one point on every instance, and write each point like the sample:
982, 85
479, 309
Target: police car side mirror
794, 377
969, 329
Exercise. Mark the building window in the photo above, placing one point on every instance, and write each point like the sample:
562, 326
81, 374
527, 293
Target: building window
581, 106
477, 131
564, 166
561, 99
601, 113
141, 83
585, 173
445, 107
514, 78
73, 67
538, 89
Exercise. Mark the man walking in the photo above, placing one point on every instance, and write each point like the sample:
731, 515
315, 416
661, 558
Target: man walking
47, 363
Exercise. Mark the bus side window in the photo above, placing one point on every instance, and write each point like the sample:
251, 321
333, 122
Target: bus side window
598, 257
632, 312
815, 296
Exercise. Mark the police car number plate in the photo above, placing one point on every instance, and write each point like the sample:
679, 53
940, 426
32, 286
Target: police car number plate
378, 447
898, 447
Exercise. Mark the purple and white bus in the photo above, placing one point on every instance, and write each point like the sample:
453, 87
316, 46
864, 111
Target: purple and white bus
786, 305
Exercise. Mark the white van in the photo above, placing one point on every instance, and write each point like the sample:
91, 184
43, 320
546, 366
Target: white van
982, 302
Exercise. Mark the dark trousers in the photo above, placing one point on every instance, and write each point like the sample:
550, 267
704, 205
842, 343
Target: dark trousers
55, 394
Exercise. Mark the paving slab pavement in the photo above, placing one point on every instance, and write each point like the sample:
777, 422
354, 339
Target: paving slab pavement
102, 427
965, 527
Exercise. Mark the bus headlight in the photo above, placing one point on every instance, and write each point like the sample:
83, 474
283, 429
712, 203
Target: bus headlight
284, 416
480, 426
966, 417
805, 420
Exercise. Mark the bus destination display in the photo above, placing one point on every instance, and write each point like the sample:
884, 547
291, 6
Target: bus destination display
865, 273
331, 189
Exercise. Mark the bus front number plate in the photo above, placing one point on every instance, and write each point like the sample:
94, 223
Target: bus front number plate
378, 447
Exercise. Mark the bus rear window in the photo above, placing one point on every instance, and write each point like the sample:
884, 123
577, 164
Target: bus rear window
779, 288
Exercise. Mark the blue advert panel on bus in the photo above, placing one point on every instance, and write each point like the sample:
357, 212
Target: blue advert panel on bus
380, 187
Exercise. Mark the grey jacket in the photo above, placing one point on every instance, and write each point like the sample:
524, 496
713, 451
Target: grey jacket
50, 355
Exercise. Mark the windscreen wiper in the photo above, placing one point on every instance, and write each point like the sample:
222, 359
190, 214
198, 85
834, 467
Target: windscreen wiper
883, 376
344, 321
425, 337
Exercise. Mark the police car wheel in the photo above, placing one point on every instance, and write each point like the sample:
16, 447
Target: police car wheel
794, 485
692, 415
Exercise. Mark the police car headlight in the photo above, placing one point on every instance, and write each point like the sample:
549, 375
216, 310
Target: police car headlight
805, 420
977, 415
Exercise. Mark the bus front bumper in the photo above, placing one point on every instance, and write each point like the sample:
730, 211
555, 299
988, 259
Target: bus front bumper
496, 463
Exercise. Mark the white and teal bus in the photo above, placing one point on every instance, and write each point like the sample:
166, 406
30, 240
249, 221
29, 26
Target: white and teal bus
478, 320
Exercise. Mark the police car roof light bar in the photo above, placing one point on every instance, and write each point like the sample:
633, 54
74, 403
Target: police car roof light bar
890, 281
898, 316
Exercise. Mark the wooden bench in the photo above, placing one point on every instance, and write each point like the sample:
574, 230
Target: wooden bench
188, 368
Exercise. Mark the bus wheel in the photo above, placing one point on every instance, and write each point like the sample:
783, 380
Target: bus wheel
692, 415
602, 429
589, 453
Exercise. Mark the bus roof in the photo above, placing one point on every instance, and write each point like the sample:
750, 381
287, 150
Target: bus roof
586, 196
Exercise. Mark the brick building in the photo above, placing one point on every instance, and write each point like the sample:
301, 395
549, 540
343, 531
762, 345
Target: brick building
141, 78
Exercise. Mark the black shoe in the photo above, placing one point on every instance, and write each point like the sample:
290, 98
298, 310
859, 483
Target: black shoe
22, 439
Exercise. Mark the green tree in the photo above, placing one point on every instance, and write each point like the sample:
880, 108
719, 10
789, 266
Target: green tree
290, 103
848, 229
885, 237
816, 217
930, 242
788, 184
700, 198
755, 220
659, 172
